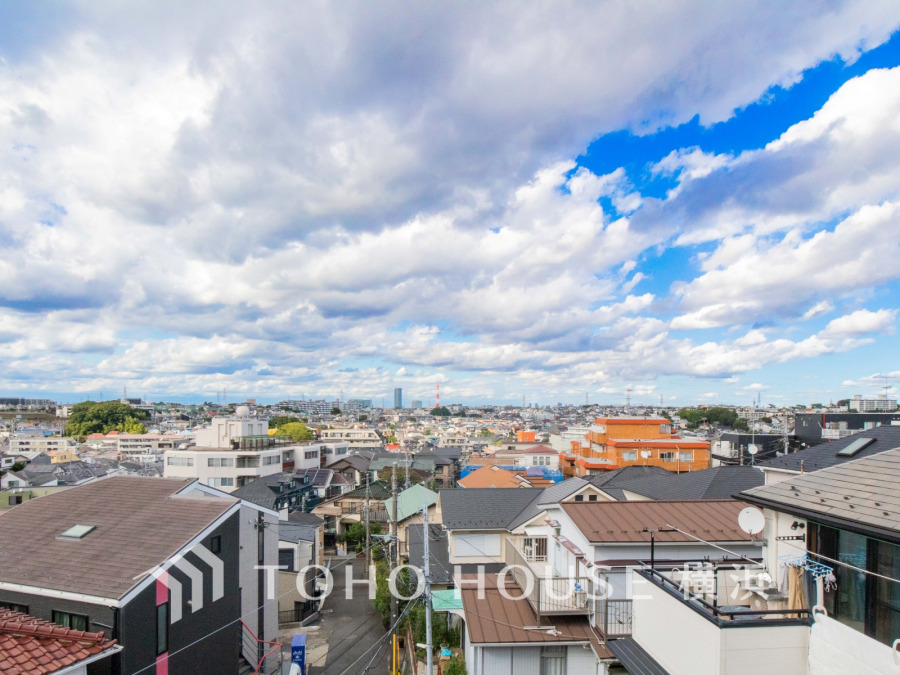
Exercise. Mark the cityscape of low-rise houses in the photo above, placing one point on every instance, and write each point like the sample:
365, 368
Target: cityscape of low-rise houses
716, 533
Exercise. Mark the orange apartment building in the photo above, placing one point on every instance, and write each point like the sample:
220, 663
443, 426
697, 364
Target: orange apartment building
617, 442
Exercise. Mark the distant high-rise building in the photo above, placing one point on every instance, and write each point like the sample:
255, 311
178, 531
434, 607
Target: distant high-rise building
398, 397
417, 404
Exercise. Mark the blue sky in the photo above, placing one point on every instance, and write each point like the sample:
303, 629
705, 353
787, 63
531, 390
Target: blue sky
698, 203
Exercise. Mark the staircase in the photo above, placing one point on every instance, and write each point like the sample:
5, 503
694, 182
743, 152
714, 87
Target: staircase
259, 657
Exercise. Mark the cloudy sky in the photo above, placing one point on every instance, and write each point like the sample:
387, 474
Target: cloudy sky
699, 202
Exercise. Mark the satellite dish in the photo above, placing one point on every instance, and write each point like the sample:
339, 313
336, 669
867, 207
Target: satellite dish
752, 449
751, 520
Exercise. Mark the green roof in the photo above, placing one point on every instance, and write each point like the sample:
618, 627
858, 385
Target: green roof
442, 601
411, 501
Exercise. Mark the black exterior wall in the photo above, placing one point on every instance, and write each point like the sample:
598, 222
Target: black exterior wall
203, 642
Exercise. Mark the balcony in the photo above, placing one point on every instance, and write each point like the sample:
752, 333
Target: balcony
548, 594
697, 632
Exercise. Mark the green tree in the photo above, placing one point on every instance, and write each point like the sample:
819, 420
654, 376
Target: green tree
298, 431
355, 534
455, 666
90, 417
443, 411
276, 422
335, 411
18, 466
485, 433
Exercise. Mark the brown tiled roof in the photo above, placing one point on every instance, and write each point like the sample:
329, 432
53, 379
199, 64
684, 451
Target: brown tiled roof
709, 519
30, 646
140, 522
540, 450
492, 476
497, 619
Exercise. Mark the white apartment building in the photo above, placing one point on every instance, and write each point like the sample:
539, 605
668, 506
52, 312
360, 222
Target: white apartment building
147, 447
234, 451
34, 444
880, 404
357, 438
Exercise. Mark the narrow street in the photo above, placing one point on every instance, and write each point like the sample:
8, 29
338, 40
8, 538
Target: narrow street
347, 630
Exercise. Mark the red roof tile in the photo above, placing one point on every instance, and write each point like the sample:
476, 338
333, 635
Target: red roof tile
31, 646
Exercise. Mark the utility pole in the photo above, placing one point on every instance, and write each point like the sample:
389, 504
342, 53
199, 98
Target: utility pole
394, 539
368, 531
407, 469
429, 658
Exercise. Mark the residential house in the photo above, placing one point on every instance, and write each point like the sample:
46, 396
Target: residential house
109, 536
357, 437
280, 492
721, 482
823, 598
410, 504
350, 507
32, 646
354, 468
300, 546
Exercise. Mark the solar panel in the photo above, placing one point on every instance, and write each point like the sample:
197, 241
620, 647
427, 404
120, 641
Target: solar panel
855, 447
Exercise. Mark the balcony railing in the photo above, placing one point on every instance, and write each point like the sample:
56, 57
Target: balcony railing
613, 617
548, 595
728, 615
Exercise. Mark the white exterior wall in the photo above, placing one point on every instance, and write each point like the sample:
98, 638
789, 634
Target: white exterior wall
526, 660
203, 472
249, 575
685, 643
37, 444
465, 556
223, 429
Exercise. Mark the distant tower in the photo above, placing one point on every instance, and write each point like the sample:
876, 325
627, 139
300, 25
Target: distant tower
628, 397
437, 395
398, 398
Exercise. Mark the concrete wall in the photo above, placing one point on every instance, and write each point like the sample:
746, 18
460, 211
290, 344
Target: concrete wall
686, 643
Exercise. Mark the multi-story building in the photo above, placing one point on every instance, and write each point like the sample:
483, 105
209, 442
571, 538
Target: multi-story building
616, 442
357, 438
37, 443
235, 451
879, 404
398, 398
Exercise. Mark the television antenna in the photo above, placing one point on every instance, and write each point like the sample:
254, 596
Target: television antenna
753, 449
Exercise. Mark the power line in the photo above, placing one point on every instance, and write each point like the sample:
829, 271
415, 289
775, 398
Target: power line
231, 623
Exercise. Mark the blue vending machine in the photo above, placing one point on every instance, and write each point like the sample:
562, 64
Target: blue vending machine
298, 652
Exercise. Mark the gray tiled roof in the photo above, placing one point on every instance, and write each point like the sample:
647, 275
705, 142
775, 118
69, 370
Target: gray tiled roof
628, 473
294, 532
825, 455
438, 551
721, 482
858, 491
483, 508
549, 495
308, 519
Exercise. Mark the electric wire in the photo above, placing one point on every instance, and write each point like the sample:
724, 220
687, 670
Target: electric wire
233, 622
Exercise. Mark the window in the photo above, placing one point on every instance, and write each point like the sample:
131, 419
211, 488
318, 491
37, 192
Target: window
221, 482
667, 456
162, 628
665, 428
180, 461
629, 456
13, 483
12, 606
286, 558
686, 456
220, 461
311, 454
215, 544
592, 498
579, 498
69, 620
274, 459
553, 660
